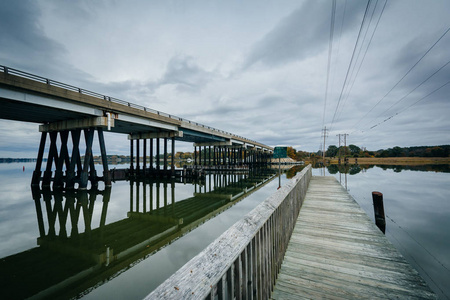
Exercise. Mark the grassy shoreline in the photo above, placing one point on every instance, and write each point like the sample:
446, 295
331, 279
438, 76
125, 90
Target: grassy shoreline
392, 160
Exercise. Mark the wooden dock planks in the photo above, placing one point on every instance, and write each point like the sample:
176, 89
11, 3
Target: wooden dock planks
337, 252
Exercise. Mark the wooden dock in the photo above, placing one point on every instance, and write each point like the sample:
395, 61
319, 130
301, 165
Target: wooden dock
336, 252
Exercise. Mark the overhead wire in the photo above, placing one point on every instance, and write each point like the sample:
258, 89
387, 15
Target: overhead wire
339, 42
351, 62
330, 50
423, 98
365, 53
410, 92
403, 77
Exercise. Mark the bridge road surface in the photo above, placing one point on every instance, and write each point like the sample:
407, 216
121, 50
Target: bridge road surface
336, 251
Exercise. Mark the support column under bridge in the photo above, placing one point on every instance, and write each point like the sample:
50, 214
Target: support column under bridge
226, 155
64, 170
140, 141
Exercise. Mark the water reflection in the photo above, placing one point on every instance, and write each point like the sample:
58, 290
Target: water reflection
353, 169
78, 248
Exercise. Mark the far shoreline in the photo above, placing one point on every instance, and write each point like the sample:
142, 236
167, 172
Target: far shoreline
387, 160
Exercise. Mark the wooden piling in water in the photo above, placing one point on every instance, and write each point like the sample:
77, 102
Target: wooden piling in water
378, 209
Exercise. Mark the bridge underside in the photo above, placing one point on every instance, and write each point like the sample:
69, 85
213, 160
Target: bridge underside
47, 112
70, 117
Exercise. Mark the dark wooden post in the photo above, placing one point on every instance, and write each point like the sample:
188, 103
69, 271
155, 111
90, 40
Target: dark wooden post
378, 208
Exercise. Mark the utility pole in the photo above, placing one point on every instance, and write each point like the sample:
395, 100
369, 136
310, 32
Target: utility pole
345, 144
324, 132
339, 149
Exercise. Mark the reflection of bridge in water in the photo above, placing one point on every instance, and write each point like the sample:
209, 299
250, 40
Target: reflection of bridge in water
74, 255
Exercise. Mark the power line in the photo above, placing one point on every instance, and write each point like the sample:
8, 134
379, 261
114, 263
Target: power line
434, 91
330, 50
339, 43
365, 53
351, 61
410, 92
401, 79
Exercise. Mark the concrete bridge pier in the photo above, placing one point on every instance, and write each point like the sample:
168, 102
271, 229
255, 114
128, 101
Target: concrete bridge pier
225, 155
160, 171
63, 170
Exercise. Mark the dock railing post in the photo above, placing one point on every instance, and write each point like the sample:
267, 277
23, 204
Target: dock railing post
243, 262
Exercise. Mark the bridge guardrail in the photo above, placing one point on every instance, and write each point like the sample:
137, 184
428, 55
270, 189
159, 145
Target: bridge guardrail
243, 263
16, 72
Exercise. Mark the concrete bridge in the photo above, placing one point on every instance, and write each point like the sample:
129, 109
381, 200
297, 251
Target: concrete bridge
64, 110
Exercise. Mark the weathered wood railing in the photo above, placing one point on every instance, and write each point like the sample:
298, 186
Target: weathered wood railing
243, 263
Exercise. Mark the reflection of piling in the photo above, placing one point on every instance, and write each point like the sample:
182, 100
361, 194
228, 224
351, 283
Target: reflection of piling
378, 208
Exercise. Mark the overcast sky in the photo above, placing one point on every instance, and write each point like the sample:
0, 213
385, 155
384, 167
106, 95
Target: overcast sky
254, 68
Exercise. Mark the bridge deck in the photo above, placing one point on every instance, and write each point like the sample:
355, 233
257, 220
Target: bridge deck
336, 252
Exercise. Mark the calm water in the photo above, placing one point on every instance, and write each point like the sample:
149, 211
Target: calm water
417, 208
43, 245
60, 241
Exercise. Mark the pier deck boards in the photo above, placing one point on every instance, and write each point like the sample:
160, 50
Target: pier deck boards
336, 252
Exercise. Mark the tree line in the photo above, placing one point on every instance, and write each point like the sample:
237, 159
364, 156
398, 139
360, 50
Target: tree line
355, 151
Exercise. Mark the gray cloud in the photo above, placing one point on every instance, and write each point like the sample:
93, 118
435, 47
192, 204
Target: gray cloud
21, 38
303, 33
256, 69
24, 45
185, 74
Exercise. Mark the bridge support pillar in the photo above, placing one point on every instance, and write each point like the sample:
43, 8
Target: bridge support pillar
172, 162
204, 156
37, 172
195, 156
138, 157
131, 157
144, 158
151, 155
157, 155
63, 171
